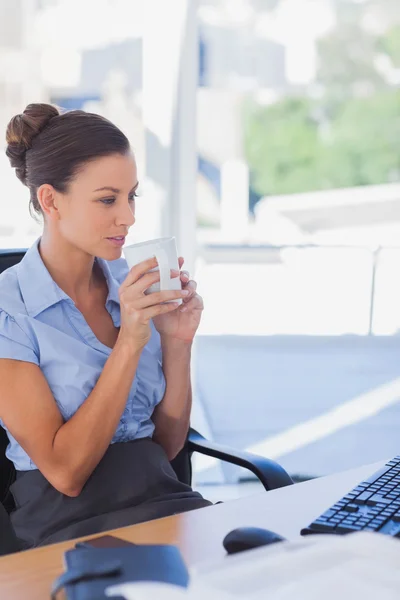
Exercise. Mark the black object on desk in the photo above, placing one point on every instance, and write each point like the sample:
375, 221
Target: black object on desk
373, 505
91, 570
247, 538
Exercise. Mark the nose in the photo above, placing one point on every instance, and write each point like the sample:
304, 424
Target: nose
126, 215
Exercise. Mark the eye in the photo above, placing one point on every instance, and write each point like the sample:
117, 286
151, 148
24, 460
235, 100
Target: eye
132, 197
107, 201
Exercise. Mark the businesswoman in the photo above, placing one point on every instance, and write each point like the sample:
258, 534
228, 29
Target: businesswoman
95, 375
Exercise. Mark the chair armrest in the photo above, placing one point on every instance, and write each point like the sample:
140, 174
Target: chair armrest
270, 474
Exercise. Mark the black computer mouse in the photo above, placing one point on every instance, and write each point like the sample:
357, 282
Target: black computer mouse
245, 538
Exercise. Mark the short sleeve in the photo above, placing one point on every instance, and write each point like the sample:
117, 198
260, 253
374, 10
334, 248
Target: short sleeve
14, 342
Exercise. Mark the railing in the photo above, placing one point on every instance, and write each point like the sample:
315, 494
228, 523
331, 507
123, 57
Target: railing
265, 253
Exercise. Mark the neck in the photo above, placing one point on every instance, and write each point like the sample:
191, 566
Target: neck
70, 267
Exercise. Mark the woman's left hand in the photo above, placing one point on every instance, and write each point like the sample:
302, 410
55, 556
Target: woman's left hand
182, 323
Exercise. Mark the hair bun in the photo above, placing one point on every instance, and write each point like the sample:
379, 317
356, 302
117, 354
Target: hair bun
22, 130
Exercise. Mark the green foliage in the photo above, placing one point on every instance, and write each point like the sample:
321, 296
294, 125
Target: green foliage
367, 136
351, 135
281, 145
291, 147
346, 61
390, 44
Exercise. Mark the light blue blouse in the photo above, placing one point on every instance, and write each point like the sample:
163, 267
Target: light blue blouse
40, 324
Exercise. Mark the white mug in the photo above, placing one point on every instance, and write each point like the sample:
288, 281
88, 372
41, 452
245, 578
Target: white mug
164, 249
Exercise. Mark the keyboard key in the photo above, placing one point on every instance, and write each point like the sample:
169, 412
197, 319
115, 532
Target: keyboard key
329, 513
347, 528
373, 505
351, 508
327, 527
377, 475
362, 498
341, 515
391, 528
346, 523
375, 499
376, 523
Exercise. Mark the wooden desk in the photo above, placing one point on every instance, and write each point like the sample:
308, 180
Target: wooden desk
28, 575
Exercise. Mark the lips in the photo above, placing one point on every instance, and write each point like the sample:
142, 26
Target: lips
117, 240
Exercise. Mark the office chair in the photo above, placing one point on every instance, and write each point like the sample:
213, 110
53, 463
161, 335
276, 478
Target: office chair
270, 473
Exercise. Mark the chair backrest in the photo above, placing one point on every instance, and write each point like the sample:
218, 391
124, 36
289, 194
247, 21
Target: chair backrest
8, 258
8, 540
7, 473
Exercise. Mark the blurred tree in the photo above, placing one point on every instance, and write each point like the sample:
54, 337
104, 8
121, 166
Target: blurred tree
288, 151
390, 45
281, 143
264, 5
366, 140
346, 55
386, 11
350, 136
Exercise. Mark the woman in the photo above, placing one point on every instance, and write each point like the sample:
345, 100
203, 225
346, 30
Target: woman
95, 375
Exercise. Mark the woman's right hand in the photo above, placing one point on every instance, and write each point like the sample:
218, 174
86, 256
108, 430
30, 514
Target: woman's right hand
137, 309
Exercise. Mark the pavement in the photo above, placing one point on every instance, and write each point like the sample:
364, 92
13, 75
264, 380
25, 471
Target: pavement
308, 388
317, 405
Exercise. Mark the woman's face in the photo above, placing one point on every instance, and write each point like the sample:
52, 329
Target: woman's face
99, 207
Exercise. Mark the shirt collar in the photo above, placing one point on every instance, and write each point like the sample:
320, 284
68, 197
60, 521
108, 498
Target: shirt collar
40, 291
38, 288
113, 285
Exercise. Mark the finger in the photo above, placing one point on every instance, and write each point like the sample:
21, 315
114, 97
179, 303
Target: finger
191, 287
139, 270
195, 303
159, 309
150, 278
160, 297
181, 260
145, 281
185, 276
174, 273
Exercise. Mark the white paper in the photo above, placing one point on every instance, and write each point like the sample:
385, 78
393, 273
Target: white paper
160, 591
360, 565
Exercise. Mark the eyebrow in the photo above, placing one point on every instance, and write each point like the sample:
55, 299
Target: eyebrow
115, 190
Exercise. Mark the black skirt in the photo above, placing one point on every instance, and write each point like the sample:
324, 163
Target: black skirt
133, 482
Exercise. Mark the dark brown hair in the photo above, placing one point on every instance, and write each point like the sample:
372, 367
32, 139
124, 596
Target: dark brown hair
45, 146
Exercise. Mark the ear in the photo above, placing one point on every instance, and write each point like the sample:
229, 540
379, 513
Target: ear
47, 198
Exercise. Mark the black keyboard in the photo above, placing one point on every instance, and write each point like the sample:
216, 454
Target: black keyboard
374, 505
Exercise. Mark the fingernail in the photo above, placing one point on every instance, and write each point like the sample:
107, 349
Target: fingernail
184, 276
183, 308
185, 292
